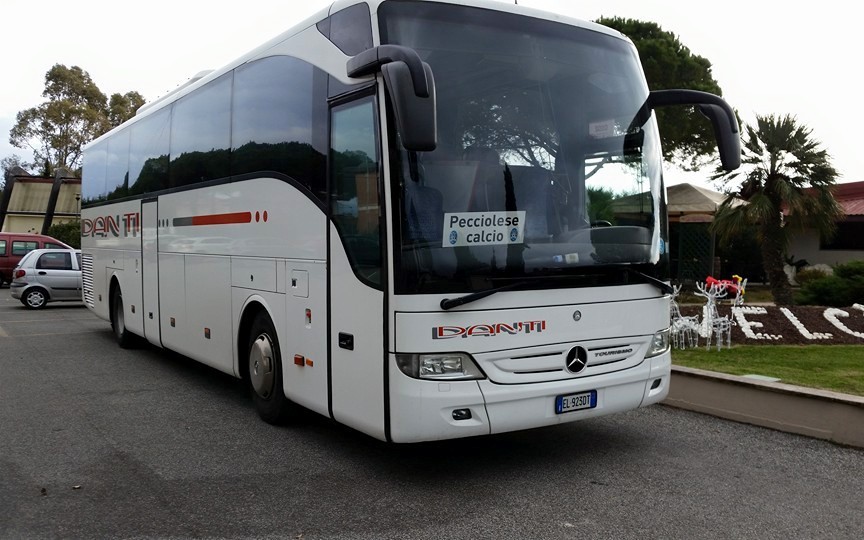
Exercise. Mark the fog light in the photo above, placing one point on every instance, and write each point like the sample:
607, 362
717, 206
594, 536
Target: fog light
462, 414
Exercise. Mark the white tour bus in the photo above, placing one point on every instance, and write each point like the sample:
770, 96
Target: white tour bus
421, 219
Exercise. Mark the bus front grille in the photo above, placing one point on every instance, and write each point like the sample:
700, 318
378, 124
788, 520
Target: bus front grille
548, 364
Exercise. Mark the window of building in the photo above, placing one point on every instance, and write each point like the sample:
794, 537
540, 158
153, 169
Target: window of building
849, 236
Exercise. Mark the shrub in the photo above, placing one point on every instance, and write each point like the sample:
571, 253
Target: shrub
68, 232
844, 288
806, 275
850, 270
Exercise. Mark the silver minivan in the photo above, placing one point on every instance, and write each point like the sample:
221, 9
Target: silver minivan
47, 275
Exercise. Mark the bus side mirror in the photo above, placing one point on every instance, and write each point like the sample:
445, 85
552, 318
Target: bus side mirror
412, 90
416, 116
728, 138
717, 110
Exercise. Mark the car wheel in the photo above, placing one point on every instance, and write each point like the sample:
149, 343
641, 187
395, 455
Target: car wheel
123, 336
264, 360
35, 298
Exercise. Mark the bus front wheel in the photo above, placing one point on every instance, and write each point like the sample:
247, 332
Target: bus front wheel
265, 372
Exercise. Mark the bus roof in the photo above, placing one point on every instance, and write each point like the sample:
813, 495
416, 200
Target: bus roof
203, 77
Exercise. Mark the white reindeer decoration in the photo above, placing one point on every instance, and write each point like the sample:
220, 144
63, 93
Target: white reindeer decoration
685, 329
712, 322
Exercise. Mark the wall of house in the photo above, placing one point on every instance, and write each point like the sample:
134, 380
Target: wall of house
29, 200
806, 246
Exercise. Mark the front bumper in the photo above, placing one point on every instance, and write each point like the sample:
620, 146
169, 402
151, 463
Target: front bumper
422, 410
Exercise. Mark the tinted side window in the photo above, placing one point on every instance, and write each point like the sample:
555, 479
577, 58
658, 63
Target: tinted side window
54, 261
201, 134
21, 247
2, 247
355, 198
52, 245
93, 173
117, 166
148, 153
272, 125
351, 29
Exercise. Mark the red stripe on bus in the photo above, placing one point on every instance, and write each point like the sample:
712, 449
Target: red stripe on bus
223, 219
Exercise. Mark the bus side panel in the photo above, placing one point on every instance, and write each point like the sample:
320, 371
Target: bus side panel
305, 378
111, 234
133, 303
356, 345
172, 300
209, 334
195, 308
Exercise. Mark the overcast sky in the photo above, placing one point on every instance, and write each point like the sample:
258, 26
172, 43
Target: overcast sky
768, 57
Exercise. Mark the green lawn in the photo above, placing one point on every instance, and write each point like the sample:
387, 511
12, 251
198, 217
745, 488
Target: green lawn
830, 367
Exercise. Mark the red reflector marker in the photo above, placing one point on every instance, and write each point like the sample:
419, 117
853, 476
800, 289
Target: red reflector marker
299, 360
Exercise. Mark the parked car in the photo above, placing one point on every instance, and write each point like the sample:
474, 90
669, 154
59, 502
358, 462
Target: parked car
13, 246
47, 275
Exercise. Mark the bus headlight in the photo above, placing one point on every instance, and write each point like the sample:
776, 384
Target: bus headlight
659, 343
443, 366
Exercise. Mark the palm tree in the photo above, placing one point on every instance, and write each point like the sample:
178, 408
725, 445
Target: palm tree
786, 179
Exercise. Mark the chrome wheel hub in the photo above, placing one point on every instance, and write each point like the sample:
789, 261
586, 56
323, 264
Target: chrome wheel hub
261, 366
35, 299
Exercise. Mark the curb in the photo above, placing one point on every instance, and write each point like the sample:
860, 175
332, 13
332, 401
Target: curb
821, 414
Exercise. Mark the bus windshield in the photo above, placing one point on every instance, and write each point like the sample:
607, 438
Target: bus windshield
544, 166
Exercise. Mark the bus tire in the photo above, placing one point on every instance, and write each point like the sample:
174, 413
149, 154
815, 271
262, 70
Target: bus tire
118, 320
264, 361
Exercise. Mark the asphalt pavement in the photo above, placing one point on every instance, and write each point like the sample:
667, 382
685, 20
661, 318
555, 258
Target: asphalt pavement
100, 442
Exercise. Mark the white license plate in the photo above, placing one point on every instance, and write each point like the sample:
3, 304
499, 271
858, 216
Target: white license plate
576, 402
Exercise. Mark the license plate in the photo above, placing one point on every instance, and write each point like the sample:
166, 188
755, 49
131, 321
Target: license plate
576, 402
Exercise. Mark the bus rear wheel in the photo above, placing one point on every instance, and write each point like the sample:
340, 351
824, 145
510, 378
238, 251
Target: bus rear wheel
264, 360
118, 321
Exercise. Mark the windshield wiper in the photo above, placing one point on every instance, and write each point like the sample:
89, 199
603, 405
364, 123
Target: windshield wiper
663, 286
450, 303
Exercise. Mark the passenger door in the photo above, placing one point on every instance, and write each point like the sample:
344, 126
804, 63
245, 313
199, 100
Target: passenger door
150, 270
356, 278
